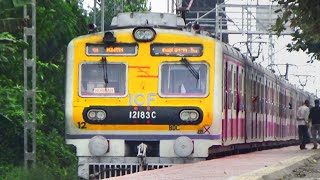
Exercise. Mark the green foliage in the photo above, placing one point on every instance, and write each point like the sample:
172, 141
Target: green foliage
135, 6
128, 6
9, 46
10, 4
11, 15
303, 16
41, 172
57, 23
11, 151
69, 22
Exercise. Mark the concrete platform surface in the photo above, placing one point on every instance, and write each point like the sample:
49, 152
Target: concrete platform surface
267, 165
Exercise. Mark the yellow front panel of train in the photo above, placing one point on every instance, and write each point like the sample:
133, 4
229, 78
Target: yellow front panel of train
132, 85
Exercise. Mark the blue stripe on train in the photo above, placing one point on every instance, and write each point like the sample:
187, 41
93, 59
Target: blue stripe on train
142, 137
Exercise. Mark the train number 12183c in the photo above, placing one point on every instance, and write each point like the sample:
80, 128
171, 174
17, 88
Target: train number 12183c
142, 114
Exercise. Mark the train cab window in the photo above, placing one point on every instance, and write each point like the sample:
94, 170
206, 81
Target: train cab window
98, 80
176, 80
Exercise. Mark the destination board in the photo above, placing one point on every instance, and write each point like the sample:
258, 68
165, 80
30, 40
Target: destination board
183, 50
117, 49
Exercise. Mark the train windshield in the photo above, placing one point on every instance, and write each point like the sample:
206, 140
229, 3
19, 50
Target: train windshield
96, 80
178, 81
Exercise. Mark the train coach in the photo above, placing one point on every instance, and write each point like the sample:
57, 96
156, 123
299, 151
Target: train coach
148, 94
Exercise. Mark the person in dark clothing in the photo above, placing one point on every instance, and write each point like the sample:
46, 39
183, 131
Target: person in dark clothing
315, 119
302, 121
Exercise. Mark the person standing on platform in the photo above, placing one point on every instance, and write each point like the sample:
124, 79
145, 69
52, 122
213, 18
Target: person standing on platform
302, 121
315, 117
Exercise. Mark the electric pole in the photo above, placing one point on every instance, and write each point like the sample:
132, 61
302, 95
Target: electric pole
29, 68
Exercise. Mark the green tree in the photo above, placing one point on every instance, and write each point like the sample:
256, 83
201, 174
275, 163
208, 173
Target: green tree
304, 17
57, 23
9, 21
111, 5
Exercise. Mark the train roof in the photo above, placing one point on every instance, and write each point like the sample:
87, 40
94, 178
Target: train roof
233, 52
151, 19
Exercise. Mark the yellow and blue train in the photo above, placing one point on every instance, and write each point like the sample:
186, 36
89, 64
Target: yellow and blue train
148, 94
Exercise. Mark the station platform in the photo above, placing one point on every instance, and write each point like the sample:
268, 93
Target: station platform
267, 165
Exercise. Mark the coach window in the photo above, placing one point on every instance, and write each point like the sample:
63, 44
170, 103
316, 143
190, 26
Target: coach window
254, 92
98, 80
241, 88
235, 88
177, 80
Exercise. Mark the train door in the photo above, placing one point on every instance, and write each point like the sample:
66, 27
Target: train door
267, 105
249, 105
253, 102
240, 104
287, 110
273, 119
282, 113
258, 112
227, 99
231, 96
291, 110
261, 107
230, 100
255, 106
278, 111
295, 105
236, 103
235, 93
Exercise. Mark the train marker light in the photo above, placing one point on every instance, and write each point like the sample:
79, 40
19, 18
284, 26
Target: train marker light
98, 145
92, 28
108, 38
144, 34
196, 27
183, 146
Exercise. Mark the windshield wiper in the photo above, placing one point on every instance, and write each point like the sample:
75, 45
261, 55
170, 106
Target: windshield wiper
190, 67
105, 70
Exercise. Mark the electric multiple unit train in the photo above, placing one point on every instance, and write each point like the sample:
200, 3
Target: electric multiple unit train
148, 94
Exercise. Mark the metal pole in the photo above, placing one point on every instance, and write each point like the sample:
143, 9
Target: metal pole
121, 6
216, 23
287, 71
270, 51
172, 6
29, 95
95, 12
102, 15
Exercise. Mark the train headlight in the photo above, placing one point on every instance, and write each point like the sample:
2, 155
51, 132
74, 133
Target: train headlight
183, 146
92, 114
194, 115
96, 114
184, 116
98, 145
189, 115
144, 34
101, 115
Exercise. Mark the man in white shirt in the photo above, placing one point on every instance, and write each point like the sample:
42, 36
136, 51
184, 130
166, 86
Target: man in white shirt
302, 121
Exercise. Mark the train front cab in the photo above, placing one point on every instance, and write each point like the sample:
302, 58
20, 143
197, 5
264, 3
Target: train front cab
181, 126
